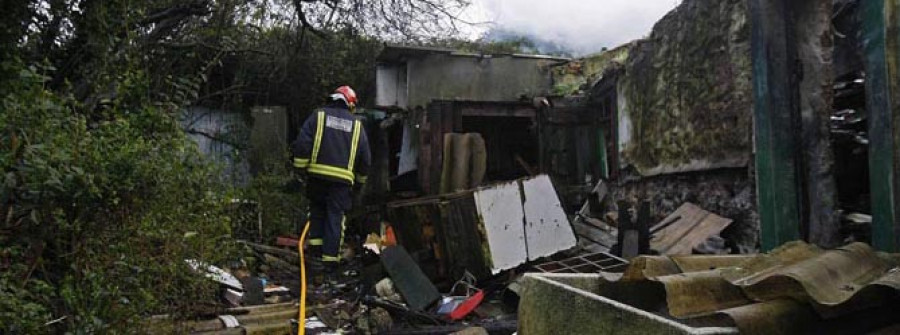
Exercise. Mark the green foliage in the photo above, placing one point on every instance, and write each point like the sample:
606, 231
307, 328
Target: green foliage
106, 209
282, 208
102, 196
297, 70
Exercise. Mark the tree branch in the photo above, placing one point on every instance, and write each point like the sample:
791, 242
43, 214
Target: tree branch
216, 138
196, 8
298, 6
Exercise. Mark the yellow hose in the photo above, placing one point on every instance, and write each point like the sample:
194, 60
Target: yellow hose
301, 319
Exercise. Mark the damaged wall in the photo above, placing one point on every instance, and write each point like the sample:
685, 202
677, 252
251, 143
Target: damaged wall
815, 48
504, 78
728, 193
410, 77
685, 117
686, 94
576, 76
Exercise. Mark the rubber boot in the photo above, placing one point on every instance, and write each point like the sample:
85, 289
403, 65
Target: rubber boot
331, 274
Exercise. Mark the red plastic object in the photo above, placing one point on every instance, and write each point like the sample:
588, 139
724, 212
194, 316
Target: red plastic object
467, 306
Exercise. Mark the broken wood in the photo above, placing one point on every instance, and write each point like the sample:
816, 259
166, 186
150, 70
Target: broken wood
528, 168
279, 264
685, 229
602, 237
634, 235
272, 250
599, 224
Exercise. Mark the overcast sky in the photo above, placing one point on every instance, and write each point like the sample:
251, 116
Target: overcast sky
584, 26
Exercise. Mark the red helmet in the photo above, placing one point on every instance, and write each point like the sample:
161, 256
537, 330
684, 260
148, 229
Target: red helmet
347, 94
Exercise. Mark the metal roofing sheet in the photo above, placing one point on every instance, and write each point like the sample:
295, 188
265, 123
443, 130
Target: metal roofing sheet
797, 288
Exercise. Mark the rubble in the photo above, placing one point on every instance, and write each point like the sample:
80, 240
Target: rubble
689, 229
415, 287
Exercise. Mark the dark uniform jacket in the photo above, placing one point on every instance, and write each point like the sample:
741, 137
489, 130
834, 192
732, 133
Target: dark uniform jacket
332, 145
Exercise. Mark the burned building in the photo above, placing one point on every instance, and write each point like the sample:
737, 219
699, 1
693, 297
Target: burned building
440, 91
687, 114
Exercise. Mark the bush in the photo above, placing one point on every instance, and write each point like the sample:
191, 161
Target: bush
100, 208
279, 201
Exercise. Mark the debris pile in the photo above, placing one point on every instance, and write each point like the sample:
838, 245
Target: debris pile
850, 142
381, 289
459, 263
689, 229
795, 289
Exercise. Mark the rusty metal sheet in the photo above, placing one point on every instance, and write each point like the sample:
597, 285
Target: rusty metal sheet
776, 317
700, 293
796, 289
644, 267
708, 262
826, 278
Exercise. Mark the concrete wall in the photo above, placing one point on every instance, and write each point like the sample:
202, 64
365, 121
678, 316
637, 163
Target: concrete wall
497, 78
687, 91
685, 117
571, 304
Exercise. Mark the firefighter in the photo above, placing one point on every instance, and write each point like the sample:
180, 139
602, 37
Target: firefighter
332, 153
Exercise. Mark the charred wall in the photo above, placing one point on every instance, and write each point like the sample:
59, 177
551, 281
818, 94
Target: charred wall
687, 91
685, 117
727, 192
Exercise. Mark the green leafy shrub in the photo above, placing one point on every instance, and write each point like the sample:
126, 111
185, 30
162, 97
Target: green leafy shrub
99, 209
281, 204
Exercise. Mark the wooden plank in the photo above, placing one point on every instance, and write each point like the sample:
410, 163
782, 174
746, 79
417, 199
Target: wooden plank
594, 235
685, 218
881, 51
776, 114
287, 253
599, 224
592, 247
692, 226
711, 225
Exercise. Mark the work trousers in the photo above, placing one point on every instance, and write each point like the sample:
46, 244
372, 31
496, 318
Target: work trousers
328, 201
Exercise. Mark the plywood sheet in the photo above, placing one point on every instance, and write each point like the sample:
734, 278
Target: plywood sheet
547, 229
502, 215
686, 228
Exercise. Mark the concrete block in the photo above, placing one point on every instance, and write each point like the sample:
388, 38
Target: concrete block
568, 304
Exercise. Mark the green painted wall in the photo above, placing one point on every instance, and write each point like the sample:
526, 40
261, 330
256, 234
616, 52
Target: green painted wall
881, 33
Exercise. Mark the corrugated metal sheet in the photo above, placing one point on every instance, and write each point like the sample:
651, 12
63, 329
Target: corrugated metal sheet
797, 288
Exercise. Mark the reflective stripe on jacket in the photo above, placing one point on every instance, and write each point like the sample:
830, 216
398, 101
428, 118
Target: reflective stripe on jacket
332, 144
